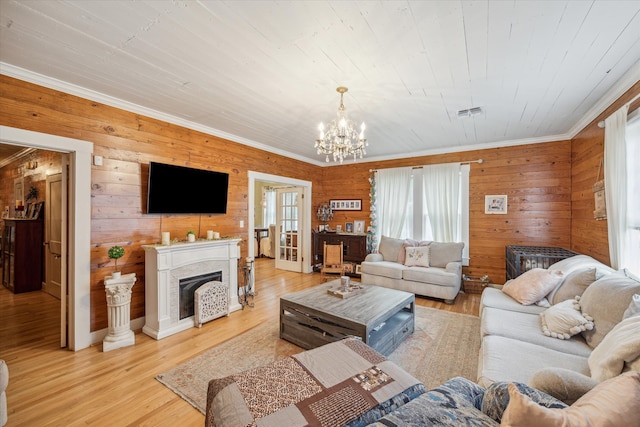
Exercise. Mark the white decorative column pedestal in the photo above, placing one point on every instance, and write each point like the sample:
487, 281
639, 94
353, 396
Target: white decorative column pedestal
119, 305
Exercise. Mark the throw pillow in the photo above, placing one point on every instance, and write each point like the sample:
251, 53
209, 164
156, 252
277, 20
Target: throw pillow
620, 345
417, 256
614, 402
564, 320
563, 384
574, 284
606, 300
532, 285
409, 243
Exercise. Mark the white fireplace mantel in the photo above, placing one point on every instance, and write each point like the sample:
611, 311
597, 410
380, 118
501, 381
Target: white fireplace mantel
165, 265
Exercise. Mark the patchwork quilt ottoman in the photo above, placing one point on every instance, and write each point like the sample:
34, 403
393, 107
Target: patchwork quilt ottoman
342, 383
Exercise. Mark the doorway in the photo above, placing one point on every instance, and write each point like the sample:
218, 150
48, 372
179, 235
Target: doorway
304, 214
79, 216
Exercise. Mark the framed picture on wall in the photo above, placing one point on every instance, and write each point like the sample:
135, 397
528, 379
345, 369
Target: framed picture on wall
495, 204
346, 205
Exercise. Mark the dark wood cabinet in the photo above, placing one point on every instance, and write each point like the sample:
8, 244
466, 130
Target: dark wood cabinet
354, 250
22, 255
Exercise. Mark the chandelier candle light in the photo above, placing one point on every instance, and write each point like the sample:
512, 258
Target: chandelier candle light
341, 138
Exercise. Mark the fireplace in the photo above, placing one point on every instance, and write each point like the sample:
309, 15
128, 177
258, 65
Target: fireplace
188, 287
167, 267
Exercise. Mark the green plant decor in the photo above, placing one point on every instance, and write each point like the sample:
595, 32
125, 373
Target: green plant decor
191, 232
32, 194
114, 253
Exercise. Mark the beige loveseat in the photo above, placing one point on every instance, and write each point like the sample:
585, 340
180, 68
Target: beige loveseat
534, 344
431, 269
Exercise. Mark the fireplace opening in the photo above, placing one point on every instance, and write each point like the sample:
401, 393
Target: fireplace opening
188, 287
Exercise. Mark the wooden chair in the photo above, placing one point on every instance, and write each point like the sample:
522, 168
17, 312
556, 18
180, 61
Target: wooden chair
332, 262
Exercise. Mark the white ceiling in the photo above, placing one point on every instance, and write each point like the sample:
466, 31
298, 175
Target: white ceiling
264, 73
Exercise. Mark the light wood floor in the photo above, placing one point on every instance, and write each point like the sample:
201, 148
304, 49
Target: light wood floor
49, 386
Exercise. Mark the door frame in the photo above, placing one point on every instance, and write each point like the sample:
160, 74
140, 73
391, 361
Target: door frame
79, 219
305, 223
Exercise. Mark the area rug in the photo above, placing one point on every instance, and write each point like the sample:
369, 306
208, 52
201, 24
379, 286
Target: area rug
444, 345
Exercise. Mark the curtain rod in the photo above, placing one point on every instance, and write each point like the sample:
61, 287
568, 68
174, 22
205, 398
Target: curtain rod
467, 162
635, 98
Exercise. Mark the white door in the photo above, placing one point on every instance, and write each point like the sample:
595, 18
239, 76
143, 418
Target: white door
55, 244
288, 229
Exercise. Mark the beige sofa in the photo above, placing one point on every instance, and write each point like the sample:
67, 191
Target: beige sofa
4, 383
437, 273
515, 348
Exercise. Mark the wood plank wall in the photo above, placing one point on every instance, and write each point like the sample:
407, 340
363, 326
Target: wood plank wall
128, 142
537, 178
588, 235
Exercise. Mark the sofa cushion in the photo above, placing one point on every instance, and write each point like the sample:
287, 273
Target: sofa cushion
606, 300
612, 403
526, 327
390, 249
563, 384
495, 298
532, 285
389, 269
441, 254
564, 320
508, 359
573, 285
416, 256
432, 275
450, 404
621, 345
634, 307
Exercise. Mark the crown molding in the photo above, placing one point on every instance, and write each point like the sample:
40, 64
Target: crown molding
62, 86
16, 156
625, 83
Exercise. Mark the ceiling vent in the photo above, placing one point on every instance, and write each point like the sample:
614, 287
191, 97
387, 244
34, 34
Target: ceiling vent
470, 112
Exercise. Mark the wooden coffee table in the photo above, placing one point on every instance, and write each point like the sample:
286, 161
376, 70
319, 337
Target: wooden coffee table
381, 317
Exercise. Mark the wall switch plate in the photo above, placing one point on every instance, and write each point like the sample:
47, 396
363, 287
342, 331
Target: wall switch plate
97, 160
241, 223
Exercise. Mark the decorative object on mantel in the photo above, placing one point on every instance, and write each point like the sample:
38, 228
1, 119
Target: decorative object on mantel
600, 211
166, 238
114, 253
118, 290
341, 138
325, 214
191, 236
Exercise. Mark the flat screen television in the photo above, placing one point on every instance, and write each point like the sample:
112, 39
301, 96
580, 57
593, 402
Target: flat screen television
181, 190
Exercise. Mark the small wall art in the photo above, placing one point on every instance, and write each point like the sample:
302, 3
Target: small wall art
495, 204
358, 227
346, 205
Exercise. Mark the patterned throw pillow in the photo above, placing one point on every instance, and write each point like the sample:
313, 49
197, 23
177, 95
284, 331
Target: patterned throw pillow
417, 256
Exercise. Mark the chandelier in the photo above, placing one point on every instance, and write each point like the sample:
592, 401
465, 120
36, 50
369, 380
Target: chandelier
341, 138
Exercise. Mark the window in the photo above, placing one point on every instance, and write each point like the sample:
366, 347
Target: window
425, 203
633, 190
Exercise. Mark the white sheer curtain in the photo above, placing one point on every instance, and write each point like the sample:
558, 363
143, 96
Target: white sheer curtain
393, 188
269, 210
615, 185
442, 195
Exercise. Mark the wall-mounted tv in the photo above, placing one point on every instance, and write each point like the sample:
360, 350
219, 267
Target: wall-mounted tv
182, 190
